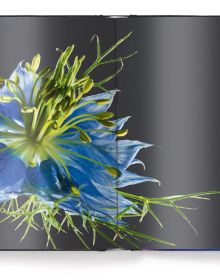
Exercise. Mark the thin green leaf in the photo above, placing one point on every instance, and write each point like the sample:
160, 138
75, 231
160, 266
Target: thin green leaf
112, 48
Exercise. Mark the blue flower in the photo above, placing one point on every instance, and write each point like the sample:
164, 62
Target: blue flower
63, 154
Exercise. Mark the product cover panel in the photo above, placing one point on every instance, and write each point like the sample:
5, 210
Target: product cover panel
173, 98
109, 133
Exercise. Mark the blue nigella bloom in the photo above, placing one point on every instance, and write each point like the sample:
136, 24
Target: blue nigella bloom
59, 150
61, 146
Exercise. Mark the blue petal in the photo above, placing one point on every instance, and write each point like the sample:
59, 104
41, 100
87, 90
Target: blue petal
11, 110
97, 201
106, 186
101, 132
12, 172
8, 125
93, 108
129, 178
49, 183
26, 83
45, 179
99, 135
83, 181
127, 151
119, 154
137, 161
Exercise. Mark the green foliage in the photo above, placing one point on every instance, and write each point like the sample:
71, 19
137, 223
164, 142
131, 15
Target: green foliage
53, 218
26, 214
142, 205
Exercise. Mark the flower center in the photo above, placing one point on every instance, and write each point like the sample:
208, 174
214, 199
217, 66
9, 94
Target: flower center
33, 142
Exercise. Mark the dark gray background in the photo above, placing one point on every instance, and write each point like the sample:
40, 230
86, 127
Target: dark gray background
170, 88
172, 91
20, 39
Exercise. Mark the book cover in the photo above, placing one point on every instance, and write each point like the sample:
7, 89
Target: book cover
109, 133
